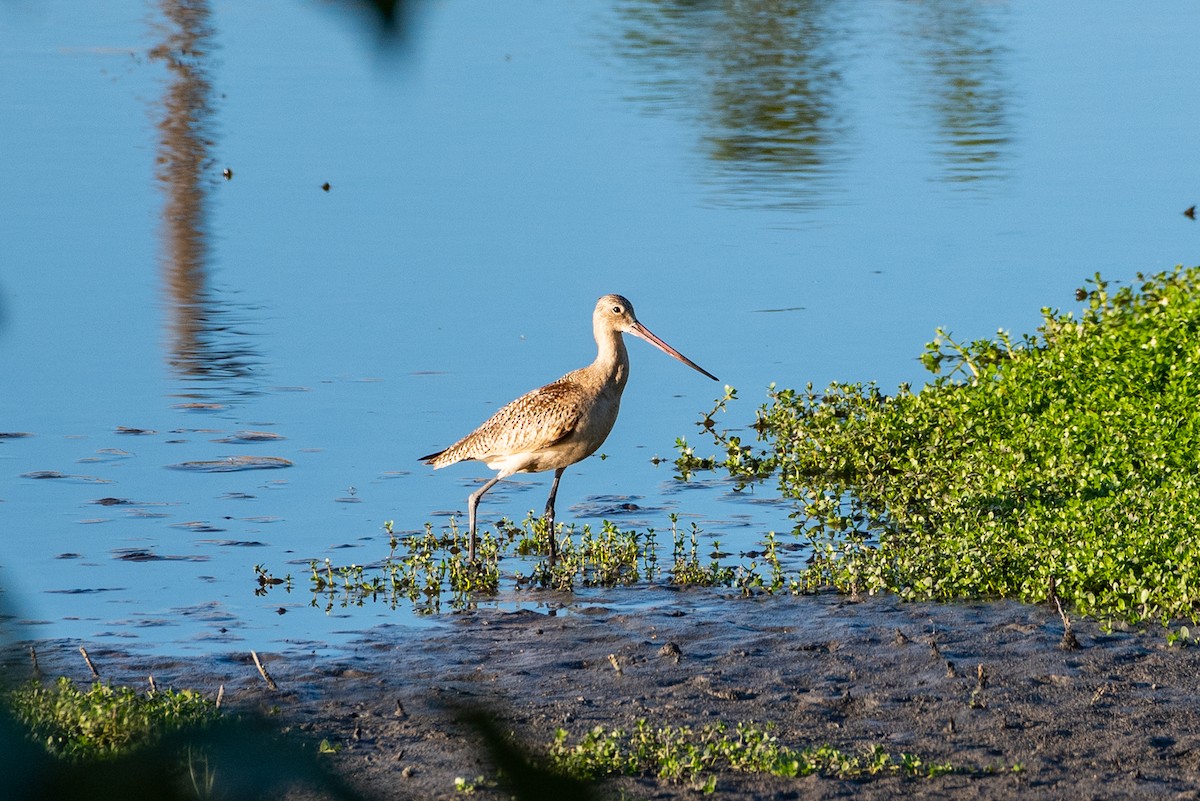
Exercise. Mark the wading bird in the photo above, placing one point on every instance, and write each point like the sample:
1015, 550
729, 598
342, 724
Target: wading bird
562, 423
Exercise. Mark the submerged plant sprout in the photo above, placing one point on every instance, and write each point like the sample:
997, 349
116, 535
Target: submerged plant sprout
431, 571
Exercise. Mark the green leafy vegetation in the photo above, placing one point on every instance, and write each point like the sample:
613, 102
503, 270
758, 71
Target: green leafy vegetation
695, 756
1065, 461
103, 721
429, 570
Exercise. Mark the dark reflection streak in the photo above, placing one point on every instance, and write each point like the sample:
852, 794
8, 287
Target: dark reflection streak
960, 52
763, 76
205, 342
763, 80
775, 91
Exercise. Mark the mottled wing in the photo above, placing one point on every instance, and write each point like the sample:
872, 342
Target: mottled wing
534, 421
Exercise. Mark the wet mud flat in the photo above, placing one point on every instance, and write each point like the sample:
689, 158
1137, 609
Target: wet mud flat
984, 687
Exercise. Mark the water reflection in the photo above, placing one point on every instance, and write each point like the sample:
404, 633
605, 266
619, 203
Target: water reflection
766, 81
764, 76
959, 62
208, 342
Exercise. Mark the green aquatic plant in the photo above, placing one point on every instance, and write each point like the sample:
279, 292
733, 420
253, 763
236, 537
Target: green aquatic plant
103, 720
686, 567
1067, 458
106, 742
428, 569
686, 755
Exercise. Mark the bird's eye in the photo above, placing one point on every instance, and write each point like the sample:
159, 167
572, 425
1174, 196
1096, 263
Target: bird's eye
616, 309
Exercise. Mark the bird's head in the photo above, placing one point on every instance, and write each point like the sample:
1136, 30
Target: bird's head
615, 313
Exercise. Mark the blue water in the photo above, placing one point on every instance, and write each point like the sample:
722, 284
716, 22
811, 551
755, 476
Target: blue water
788, 192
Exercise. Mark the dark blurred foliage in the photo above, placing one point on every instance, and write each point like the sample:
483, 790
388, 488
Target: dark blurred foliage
243, 758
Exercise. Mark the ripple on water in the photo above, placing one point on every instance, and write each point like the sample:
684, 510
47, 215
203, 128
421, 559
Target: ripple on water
148, 555
611, 506
232, 464
142, 513
106, 455
113, 502
241, 437
74, 479
86, 590
198, 526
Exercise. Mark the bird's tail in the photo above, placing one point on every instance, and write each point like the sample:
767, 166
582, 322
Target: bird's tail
431, 457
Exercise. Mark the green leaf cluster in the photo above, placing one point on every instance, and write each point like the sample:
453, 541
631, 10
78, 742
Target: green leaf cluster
1066, 460
682, 754
104, 721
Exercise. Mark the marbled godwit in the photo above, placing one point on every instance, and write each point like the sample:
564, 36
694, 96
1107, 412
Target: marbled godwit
562, 423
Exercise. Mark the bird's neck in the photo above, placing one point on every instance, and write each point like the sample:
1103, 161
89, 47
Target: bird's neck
611, 367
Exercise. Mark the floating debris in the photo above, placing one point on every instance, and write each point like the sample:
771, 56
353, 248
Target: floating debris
228, 173
14, 434
112, 502
233, 464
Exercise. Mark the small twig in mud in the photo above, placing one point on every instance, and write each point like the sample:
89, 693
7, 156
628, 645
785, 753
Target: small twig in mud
220, 695
37, 672
612, 658
1101, 691
1068, 641
981, 680
262, 671
88, 659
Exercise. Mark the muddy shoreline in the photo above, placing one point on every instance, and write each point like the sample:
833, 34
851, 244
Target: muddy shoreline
1118, 717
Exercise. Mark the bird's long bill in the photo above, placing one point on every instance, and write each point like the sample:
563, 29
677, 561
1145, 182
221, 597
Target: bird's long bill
642, 332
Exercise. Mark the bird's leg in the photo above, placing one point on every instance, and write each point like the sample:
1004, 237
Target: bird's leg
550, 515
472, 504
